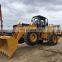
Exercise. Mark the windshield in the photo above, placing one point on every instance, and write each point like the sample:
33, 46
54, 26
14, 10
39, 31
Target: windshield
35, 20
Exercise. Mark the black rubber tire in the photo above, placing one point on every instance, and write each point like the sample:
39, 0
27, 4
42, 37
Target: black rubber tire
27, 39
50, 42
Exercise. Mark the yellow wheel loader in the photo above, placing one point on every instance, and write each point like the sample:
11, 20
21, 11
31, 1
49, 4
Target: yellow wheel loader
36, 32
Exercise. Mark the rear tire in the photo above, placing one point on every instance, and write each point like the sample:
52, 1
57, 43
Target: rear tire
53, 40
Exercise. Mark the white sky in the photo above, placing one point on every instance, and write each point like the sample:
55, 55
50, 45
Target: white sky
15, 11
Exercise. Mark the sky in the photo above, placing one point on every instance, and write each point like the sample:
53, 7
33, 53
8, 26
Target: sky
17, 11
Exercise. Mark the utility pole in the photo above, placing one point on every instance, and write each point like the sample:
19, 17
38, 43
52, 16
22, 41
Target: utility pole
1, 21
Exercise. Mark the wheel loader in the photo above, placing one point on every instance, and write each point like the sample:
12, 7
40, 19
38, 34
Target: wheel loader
37, 32
32, 34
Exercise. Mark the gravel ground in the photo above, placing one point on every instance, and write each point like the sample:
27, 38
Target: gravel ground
36, 54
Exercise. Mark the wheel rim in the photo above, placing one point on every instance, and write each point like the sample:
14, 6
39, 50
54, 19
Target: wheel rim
55, 39
33, 37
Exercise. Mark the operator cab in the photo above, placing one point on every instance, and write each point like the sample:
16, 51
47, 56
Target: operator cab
40, 21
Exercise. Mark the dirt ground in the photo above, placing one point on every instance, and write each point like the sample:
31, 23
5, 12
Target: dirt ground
36, 54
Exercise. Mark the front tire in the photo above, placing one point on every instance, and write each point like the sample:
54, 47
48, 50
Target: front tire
31, 38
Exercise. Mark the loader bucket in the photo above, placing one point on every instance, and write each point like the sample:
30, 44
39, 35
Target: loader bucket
8, 45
